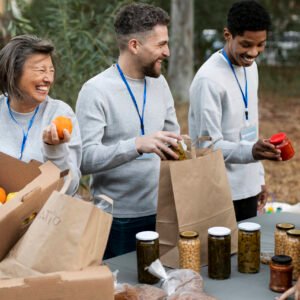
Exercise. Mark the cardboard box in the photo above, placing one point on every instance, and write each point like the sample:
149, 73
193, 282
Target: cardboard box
34, 183
92, 283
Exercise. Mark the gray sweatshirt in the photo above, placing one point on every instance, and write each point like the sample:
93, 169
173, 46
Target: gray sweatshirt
217, 109
64, 156
109, 125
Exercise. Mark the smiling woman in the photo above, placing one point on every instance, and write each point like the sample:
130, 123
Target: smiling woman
27, 111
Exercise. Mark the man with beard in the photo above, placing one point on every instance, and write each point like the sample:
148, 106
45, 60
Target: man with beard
127, 120
224, 106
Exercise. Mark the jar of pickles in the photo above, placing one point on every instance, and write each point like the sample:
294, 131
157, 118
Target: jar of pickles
281, 271
280, 237
219, 249
248, 247
189, 250
293, 250
147, 251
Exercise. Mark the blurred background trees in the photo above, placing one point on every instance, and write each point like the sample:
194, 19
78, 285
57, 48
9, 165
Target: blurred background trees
82, 32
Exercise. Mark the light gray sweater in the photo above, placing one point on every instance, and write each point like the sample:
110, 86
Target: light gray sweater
217, 109
64, 156
109, 125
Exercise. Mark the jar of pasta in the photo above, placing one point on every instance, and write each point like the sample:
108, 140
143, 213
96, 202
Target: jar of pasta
280, 237
219, 249
293, 250
189, 250
248, 247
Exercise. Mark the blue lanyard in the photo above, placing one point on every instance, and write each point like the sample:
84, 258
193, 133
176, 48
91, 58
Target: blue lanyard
25, 134
244, 95
141, 117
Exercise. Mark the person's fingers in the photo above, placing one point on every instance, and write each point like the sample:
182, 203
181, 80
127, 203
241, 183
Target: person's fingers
287, 293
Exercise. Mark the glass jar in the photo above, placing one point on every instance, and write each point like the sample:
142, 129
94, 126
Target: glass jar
281, 271
280, 237
293, 250
219, 250
281, 141
189, 250
248, 247
147, 251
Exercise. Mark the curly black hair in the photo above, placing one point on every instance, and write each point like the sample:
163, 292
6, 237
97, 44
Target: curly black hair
138, 17
247, 16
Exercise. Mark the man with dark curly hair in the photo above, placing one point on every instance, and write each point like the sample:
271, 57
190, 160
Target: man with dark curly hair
224, 105
127, 119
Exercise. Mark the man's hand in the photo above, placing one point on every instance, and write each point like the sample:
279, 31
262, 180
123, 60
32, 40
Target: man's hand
262, 149
50, 136
262, 198
158, 143
293, 290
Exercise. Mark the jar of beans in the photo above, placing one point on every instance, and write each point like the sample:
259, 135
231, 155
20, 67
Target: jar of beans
248, 247
189, 250
293, 250
280, 237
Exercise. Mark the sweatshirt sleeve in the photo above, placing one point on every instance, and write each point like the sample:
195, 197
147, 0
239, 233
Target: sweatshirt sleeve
98, 157
171, 123
67, 155
206, 120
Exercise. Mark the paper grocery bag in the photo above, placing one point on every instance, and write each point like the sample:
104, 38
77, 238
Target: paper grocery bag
68, 234
194, 194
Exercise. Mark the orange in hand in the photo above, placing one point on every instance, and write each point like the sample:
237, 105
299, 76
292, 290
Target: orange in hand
2, 195
62, 123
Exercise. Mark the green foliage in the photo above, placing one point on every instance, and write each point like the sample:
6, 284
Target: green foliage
82, 32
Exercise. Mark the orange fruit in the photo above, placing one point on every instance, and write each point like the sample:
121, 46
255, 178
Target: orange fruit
62, 123
2, 195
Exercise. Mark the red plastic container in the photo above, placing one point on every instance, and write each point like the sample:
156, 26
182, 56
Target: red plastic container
281, 141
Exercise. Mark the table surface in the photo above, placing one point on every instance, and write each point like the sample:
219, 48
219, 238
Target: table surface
239, 286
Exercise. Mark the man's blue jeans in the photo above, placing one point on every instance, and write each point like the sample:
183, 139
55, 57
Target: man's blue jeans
122, 235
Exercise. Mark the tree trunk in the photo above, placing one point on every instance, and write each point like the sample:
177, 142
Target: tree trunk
181, 62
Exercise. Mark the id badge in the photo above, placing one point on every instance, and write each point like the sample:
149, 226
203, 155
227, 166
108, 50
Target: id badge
146, 156
249, 133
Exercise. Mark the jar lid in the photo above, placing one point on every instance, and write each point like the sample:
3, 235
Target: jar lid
277, 138
189, 234
249, 226
147, 235
294, 232
285, 226
219, 231
281, 259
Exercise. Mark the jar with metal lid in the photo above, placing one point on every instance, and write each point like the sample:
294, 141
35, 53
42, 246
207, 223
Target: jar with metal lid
248, 247
281, 272
281, 142
147, 251
280, 237
219, 249
293, 250
189, 250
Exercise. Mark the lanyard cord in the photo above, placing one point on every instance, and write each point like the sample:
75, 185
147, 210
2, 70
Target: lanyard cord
244, 95
141, 117
25, 134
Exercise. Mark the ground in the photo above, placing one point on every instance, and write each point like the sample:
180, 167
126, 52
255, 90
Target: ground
276, 115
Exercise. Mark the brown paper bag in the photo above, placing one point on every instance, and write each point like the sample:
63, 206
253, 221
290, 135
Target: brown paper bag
194, 194
68, 234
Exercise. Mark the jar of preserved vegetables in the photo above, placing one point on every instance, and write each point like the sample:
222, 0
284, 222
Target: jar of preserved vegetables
147, 251
293, 250
189, 250
280, 237
248, 247
281, 271
219, 249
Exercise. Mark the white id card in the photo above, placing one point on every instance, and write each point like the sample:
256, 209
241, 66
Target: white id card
249, 133
146, 156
